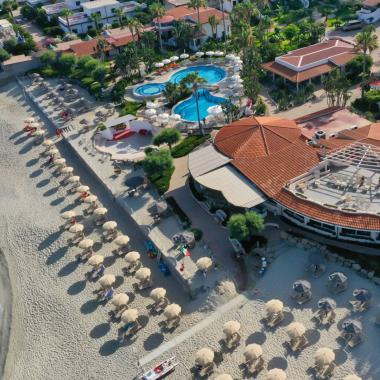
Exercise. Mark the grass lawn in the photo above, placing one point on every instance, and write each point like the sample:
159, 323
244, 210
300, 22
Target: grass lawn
130, 108
187, 145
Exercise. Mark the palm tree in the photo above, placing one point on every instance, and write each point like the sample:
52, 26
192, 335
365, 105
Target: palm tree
366, 42
8, 7
182, 32
212, 20
134, 27
96, 17
196, 4
100, 48
119, 13
66, 13
157, 10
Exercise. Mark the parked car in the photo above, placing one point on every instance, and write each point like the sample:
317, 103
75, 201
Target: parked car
353, 25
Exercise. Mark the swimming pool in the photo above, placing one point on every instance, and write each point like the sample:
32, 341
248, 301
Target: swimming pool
188, 108
211, 74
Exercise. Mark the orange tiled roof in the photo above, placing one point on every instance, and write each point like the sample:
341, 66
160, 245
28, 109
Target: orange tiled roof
270, 152
204, 13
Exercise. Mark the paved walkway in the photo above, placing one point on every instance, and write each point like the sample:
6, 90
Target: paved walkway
214, 235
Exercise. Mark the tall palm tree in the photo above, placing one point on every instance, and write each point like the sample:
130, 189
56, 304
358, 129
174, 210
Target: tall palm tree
119, 13
157, 10
96, 17
100, 48
196, 4
135, 27
8, 7
366, 41
66, 13
212, 20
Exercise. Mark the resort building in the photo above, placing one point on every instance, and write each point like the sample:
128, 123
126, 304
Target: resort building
170, 4
329, 186
225, 5
370, 11
81, 22
301, 65
167, 23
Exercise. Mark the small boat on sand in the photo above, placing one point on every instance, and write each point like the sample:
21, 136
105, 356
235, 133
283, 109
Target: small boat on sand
160, 370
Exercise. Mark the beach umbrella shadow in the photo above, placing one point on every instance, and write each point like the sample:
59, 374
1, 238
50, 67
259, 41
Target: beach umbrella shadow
21, 139
89, 306
312, 336
50, 192
100, 331
43, 183
56, 256
131, 295
57, 201
109, 260
257, 337
277, 362
109, 348
143, 320
69, 207
32, 162
26, 148
49, 240
288, 318
36, 173
119, 281
340, 356
97, 246
68, 268
15, 135
76, 288
153, 341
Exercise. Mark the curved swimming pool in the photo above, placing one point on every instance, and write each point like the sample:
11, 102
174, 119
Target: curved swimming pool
211, 74
188, 108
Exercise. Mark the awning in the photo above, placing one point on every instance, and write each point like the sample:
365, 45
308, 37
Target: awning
120, 120
206, 159
234, 186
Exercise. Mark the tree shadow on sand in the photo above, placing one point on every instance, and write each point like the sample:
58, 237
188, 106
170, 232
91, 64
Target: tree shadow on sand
36, 173
68, 268
76, 288
89, 306
277, 362
100, 330
109, 348
43, 183
153, 341
56, 256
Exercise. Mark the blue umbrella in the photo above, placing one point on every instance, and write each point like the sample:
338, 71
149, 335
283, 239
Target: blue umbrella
326, 304
362, 295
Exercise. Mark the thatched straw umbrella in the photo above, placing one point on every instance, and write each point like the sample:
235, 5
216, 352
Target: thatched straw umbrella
76, 228
29, 120
67, 215
59, 162
107, 280
172, 311
67, 170
231, 328
120, 300
95, 260
326, 304
204, 264
143, 274
324, 356
130, 316
253, 352
158, 294
274, 307
132, 257
204, 357
86, 244
295, 330
275, 374
224, 376
53, 151
48, 143
352, 377
100, 211
82, 189
73, 179
90, 199
109, 226
122, 240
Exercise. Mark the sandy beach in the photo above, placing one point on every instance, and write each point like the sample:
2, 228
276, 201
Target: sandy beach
59, 331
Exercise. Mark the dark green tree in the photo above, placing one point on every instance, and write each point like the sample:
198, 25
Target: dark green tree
168, 136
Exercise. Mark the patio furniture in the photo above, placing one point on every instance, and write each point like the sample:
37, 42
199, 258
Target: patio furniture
301, 291
337, 282
362, 299
352, 331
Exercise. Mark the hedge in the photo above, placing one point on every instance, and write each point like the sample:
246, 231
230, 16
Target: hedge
187, 145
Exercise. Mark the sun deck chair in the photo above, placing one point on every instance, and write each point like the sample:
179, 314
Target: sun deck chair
326, 372
274, 319
110, 235
359, 306
325, 317
206, 370
233, 341
172, 322
298, 343
302, 297
160, 305
145, 284
256, 366
352, 339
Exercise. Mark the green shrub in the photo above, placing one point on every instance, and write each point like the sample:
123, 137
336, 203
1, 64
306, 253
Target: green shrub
101, 127
4, 55
49, 72
187, 145
130, 108
87, 81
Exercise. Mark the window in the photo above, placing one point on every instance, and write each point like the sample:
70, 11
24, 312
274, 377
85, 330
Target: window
363, 233
77, 3
321, 226
294, 216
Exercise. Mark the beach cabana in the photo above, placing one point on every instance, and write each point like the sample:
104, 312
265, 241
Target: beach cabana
362, 299
325, 312
337, 282
158, 295
172, 314
204, 264
296, 332
224, 376
120, 302
274, 312
231, 331
142, 275
133, 262
204, 361
352, 331
275, 374
324, 362
301, 291
122, 241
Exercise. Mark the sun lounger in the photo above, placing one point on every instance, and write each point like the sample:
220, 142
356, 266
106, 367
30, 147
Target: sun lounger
302, 298
207, 370
298, 343
255, 366
275, 319
326, 372
359, 306
145, 284
325, 318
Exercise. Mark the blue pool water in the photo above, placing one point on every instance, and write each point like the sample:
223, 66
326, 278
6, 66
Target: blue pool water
188, 108
211, 74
